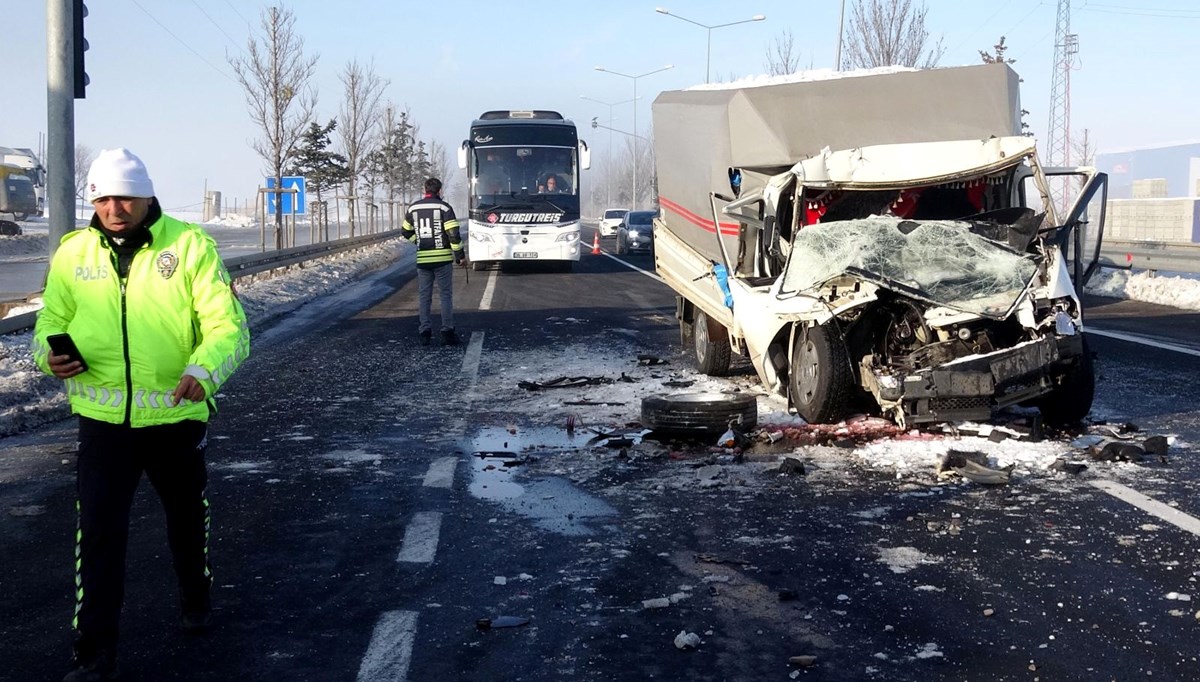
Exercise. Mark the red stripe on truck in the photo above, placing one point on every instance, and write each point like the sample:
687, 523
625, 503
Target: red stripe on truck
726, 228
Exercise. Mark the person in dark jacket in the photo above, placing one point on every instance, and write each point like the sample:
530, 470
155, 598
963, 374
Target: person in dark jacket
431, 225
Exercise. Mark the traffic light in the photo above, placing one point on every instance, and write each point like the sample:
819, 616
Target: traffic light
79, 11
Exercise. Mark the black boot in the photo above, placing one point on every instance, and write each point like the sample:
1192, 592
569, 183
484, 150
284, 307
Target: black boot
449, 338
195, 614
99, 666
424, 337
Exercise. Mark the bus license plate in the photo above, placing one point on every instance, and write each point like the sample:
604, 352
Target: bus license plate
524, 254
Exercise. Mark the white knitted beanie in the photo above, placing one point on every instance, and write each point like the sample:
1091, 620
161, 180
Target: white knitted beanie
118, 173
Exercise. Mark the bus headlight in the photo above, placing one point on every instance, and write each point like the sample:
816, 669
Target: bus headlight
481, 236
568, 237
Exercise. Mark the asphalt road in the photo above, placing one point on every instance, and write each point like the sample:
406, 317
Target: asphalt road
359, 535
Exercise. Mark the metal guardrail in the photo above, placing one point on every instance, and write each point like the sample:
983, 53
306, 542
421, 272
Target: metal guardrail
1153, 256
250, 264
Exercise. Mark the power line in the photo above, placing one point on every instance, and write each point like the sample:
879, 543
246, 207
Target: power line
235, 11
1000, 8
214, 23
181, 42
1131, 12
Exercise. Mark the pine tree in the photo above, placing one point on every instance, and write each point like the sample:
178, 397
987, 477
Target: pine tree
321, 168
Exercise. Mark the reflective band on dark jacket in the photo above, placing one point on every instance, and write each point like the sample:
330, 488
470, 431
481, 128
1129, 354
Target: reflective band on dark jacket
431, 225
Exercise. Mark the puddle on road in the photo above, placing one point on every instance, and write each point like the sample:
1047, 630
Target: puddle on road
552, 503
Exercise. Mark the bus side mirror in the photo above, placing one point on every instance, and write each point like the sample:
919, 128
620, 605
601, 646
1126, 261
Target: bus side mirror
462, 155
585, 155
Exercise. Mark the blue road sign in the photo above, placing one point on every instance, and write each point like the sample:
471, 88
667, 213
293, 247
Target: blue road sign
288, 181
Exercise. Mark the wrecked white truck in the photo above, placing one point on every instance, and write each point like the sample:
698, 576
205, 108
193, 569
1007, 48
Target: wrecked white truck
928, 271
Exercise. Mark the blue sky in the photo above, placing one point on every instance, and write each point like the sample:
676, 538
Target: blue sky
160, 83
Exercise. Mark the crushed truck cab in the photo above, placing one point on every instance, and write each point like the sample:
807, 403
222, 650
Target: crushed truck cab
925, 279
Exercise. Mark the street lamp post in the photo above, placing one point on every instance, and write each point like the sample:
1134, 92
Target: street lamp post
837, 60
610, 105
635, 127
709, 30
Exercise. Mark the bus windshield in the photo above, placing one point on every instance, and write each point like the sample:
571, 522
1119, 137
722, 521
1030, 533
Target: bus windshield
520, 171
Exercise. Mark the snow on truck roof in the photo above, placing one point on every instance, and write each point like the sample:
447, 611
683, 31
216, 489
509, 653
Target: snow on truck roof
799, 77
913, 164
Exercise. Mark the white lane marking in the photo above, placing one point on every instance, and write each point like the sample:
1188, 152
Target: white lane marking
390, 652
421, 538
1132, 338
441, 472
470, 363
485, 303
1149, 505
631, 266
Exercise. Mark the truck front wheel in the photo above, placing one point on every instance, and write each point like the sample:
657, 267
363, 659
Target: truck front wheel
710, 343
1071, 400
819, 378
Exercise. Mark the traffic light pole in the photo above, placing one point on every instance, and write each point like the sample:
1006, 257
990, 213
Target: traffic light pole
60, 111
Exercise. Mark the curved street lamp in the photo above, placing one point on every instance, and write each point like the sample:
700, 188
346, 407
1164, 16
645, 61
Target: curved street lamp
635, 128
709, 30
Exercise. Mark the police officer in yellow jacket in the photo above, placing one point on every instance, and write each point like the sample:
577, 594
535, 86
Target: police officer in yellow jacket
151, 309
431, 225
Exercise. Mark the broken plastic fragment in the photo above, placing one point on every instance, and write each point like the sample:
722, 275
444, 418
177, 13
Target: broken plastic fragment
509, 622
686, 640
978, 473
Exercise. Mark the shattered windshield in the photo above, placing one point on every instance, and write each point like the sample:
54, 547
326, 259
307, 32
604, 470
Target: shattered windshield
940, 259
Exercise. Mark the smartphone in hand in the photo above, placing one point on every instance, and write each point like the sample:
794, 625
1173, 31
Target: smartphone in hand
62, 344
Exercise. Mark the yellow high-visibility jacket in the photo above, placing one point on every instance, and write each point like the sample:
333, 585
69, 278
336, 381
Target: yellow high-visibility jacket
175, 313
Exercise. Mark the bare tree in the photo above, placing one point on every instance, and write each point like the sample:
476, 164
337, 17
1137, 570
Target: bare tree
783, 57
1084, 149
890, 33
275, 73
358, 123
83, 162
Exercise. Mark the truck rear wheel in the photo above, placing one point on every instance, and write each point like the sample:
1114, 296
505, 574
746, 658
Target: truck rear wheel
819, 378
710, 343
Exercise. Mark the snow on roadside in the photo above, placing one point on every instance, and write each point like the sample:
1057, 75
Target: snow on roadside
1170, 289
29, 398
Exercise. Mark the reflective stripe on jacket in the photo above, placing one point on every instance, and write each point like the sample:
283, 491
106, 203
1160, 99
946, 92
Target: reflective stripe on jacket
431, 225
176, 314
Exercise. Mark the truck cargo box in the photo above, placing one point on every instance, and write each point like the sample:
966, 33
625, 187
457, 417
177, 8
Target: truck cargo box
699, 134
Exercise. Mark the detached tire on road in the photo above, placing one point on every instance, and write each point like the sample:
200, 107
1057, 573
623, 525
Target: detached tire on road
710, 344
699, 414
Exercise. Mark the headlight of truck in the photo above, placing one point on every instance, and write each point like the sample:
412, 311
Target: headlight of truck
633, 234
568, 237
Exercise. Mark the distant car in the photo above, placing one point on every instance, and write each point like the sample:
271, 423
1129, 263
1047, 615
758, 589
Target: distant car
611, 220
636, 232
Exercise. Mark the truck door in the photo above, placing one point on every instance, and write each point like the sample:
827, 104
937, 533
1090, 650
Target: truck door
1083, 222
1080, 198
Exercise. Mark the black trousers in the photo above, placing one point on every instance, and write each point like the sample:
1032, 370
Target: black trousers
111, 461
